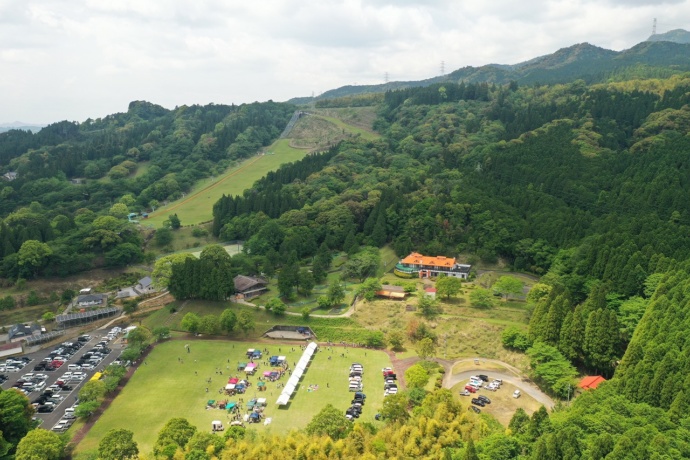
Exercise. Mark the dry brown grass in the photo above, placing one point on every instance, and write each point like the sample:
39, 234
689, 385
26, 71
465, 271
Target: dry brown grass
503, 405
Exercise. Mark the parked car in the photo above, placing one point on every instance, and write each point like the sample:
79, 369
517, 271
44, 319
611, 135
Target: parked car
465, 393
470, 388
484, 399
483, 377
516, 394
478, 402
475, 409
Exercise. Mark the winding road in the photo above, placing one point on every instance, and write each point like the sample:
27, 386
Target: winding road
511, 375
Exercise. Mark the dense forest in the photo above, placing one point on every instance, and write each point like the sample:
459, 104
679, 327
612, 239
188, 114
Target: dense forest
76, 182
583, 184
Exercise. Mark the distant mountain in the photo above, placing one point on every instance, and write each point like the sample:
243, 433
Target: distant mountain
33, 127
675, 36
582, 61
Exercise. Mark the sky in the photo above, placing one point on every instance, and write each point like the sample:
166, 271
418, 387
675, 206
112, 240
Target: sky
79, 59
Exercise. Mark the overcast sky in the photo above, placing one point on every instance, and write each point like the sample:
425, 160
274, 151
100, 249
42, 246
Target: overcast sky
75, 59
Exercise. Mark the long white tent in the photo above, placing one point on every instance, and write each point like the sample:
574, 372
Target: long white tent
297, 374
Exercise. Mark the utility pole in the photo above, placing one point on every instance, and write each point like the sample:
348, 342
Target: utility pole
385, 77
443, 68
654, 27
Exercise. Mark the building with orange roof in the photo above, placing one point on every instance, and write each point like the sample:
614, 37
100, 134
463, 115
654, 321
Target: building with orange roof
418, 265
591, 382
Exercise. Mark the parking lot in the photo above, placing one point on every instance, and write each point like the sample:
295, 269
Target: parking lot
69, 397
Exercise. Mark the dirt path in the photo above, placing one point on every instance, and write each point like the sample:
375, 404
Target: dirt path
347, 314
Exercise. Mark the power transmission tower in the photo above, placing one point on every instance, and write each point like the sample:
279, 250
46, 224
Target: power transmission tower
385, 77
443, 68
654, 27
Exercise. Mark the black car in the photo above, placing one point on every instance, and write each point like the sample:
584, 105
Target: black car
40, 367
66, 388
390, 377
475, 409
484, 399
44, 409
478, 402
483, 377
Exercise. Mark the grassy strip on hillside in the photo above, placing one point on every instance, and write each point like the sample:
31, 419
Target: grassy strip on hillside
197, 207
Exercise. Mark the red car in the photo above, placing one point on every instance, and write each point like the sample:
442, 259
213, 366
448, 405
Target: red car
470, 388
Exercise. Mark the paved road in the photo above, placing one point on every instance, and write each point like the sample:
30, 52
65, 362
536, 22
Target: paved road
50, 419
522, 383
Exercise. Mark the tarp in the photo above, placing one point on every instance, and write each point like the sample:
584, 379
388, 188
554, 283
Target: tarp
267, 373
231, 405
242, 365
233, 380
210, 402
261, 384
250, 366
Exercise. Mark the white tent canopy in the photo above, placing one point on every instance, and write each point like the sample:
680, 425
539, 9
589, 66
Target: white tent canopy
283, 400
230, 386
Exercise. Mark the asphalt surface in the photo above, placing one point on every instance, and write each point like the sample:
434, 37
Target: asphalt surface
50, 419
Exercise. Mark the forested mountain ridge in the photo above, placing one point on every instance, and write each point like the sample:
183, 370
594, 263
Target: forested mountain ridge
130, 162
654, 58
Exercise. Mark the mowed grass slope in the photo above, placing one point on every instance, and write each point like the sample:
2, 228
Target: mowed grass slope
163, 388
197, 206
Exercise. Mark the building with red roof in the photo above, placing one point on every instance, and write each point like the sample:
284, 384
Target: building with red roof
591, 382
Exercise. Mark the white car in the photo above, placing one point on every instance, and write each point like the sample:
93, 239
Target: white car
391, 391
516, 394
88, 366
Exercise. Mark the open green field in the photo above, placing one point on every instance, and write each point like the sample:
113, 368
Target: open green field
162, 388
197, 206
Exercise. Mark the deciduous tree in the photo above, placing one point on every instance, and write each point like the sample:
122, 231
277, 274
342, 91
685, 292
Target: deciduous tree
330, 422
40, 444
118, 444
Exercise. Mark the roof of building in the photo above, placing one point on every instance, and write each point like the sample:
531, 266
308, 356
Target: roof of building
91, 298
392, 292
21, 330
145, 281
439, 261
591, 382
430, 289
243, 283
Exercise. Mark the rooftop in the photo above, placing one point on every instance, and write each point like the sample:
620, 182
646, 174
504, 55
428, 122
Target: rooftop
242, 282
439, 261
591, 382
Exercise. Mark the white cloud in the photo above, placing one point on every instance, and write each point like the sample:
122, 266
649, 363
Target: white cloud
74, 59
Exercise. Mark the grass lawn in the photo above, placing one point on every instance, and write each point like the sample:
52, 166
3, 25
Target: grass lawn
197, 206
163, 388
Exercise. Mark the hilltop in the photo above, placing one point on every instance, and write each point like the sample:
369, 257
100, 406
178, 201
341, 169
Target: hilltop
660, 55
